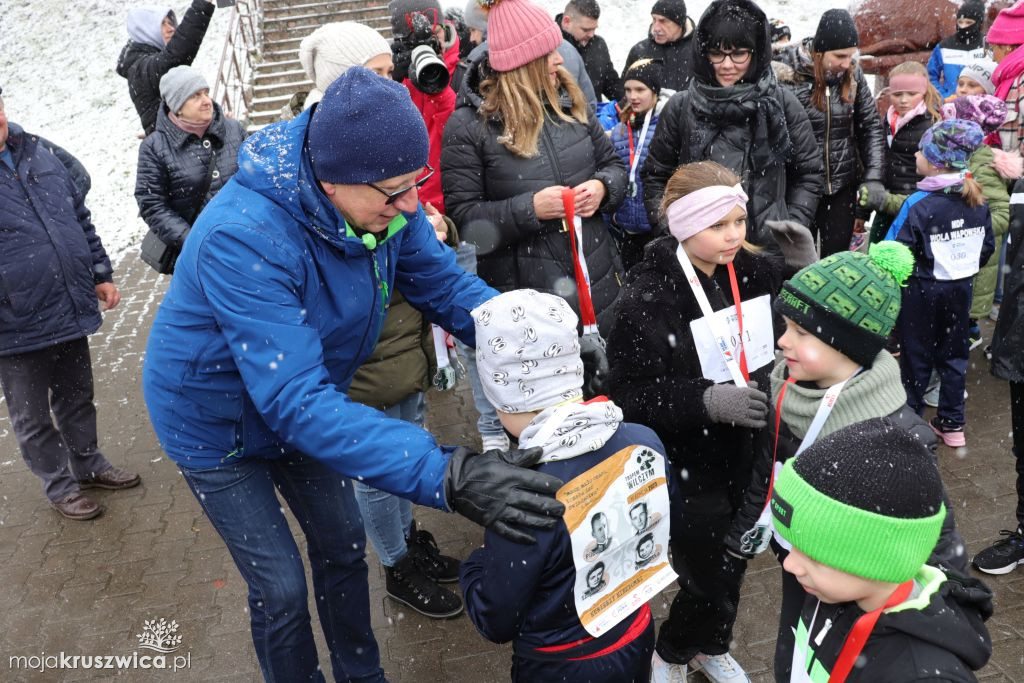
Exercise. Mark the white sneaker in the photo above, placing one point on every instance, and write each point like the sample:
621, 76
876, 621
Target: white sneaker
720, 668
663, 672
495, 442
931, 397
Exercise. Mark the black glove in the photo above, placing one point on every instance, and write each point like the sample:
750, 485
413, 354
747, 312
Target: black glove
795, 241
595, 365
871, 195
739, 406
496, 490
401, 55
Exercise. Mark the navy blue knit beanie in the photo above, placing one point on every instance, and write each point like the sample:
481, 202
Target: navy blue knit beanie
366, 129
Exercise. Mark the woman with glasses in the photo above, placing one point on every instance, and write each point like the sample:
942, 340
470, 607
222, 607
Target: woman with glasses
521, 133
822, 72
734, 113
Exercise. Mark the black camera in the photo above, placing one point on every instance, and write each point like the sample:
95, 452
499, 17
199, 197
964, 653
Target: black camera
419, 53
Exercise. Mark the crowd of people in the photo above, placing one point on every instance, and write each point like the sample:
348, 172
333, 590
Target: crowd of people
700, 320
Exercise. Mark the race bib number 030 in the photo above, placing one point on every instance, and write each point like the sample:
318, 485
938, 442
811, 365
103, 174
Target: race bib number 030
617, 517
957, 258
758, 339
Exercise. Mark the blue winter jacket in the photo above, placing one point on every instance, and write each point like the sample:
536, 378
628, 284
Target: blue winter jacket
274, 304
51, 258
947, 61
939, 216
631, 215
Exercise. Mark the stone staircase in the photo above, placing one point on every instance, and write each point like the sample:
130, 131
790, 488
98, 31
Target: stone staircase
285, 23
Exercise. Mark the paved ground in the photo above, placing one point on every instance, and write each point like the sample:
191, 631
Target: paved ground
85, 588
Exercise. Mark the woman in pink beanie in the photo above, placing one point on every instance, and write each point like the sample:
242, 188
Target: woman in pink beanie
1006, 36
522, 132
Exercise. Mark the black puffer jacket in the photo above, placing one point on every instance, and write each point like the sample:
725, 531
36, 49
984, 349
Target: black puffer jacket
488, 192
677, 57
1008, 340
849, 134
599, 65
173, 167
144, 65
788, 188
900, 174
656, 375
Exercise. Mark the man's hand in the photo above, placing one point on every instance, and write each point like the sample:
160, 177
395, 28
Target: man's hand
589, 196
496, 490
108, 295
547, 203
436, 220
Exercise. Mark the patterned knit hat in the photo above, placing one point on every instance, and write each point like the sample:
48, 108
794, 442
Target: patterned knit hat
865, 499
849, 300
519, 32
949, 144
987, 111
528, 351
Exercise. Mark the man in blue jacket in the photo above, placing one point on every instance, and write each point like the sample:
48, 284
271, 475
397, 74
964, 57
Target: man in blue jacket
53, 268
277, 299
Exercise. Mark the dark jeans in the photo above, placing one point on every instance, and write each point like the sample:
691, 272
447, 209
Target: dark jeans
932, 330
240, 500
57, 378
704, 610
1017, 420
833, 222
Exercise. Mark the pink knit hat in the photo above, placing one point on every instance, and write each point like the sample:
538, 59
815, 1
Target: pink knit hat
519, 32
1008, 27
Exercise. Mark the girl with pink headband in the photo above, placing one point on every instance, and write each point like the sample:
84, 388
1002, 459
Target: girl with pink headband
705, 401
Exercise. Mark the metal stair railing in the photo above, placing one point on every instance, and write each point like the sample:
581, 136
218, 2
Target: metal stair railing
242, 48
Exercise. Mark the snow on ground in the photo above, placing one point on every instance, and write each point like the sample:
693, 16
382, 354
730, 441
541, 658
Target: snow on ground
57, 62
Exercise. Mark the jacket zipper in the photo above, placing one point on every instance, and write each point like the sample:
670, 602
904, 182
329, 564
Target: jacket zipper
379, 286
828, 130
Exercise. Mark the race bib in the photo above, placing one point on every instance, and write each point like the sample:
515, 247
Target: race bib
617, 517
957, 258
758, 338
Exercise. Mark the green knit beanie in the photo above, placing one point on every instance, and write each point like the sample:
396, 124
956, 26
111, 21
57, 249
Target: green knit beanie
865, 499
850, 300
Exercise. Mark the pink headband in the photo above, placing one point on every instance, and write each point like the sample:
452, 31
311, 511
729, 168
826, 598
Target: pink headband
700, 210
908, 83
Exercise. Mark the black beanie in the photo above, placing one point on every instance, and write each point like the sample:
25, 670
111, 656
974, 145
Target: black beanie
836, 31
647, 71
972, 9
674, 10
401, 9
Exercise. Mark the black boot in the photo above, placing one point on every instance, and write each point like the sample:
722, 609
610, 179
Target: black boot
408, 584
423, 547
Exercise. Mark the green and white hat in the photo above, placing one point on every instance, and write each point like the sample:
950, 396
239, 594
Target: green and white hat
865, 499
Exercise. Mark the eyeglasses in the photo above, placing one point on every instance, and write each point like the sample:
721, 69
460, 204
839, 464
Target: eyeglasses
392, 197
741, 56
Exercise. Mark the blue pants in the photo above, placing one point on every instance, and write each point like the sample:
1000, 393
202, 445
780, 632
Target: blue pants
932, 329
239, 497
631, 663
386, 517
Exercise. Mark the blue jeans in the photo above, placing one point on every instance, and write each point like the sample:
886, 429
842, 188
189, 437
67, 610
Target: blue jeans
386, 517
239, 497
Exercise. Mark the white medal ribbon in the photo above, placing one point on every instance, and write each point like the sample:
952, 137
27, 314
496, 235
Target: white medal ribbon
639, 146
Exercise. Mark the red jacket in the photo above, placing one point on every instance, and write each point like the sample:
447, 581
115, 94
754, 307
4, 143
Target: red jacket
435, 110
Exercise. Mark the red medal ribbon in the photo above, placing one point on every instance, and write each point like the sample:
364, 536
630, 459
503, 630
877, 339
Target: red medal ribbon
739, 317
860, 633
587, 314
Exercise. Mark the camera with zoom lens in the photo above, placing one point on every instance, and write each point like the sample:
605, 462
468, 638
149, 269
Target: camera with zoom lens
426, 69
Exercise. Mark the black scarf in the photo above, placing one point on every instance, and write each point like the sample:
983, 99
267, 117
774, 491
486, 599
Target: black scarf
757, 105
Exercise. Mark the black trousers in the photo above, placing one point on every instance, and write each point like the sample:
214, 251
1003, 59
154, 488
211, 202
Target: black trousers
703, 612
833, 222
1017, 421
57, 378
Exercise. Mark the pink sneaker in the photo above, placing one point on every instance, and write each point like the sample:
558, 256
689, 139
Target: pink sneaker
951, 436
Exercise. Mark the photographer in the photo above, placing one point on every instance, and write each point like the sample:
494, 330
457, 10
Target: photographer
426, 52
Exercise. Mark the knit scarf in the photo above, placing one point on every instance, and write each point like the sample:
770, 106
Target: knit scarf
896, 121
752, 104
942, 181
875, 392
1007, 72
572, 429
197, 129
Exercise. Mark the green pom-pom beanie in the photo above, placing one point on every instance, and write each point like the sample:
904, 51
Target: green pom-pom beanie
865, 499
849, 300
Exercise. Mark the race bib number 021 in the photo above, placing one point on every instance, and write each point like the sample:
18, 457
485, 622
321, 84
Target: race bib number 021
758, 339
617, 516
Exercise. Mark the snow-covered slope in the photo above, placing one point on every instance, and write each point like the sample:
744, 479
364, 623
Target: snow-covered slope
57, 63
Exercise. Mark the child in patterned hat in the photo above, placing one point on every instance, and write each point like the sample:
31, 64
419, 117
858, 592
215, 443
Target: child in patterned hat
948, 226
839, 313
862, 509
